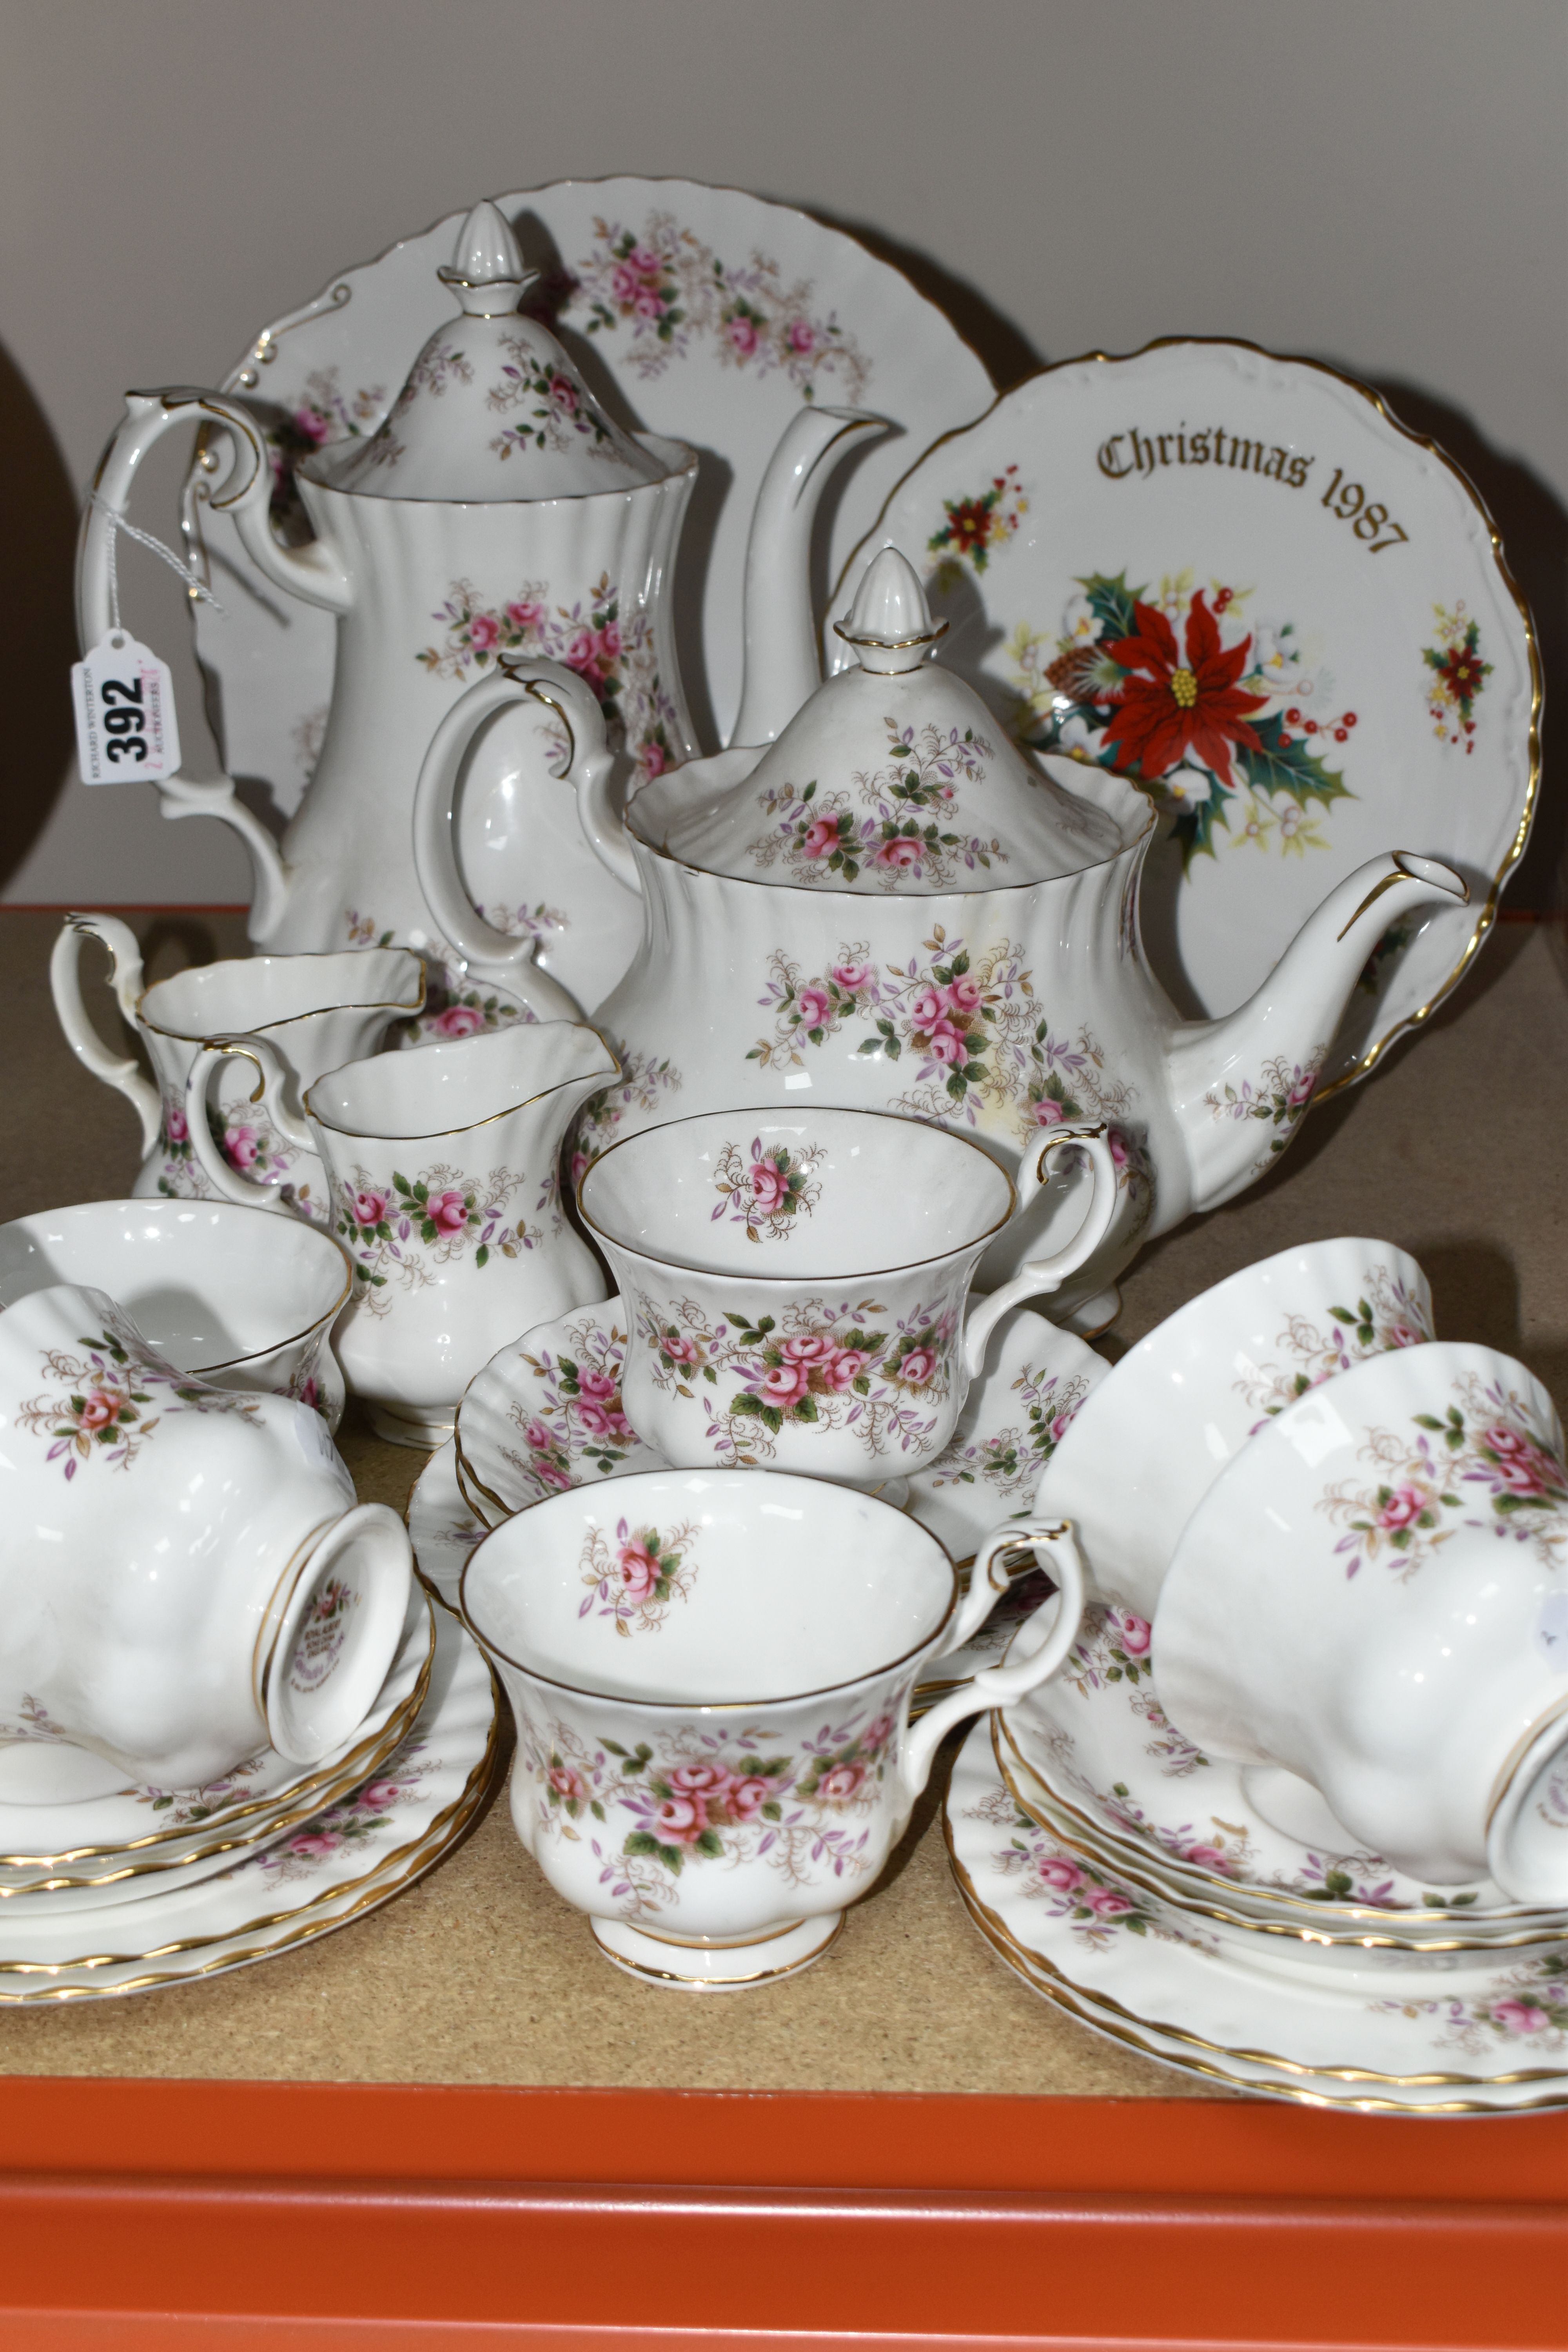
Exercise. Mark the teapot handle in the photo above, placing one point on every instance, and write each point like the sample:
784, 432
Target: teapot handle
1041, 1274
148, 416
492, 955
271, 1090
125, 979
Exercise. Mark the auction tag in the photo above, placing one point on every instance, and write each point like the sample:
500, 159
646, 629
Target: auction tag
125, 726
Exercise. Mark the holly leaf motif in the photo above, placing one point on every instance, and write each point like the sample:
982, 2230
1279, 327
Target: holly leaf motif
1288, 767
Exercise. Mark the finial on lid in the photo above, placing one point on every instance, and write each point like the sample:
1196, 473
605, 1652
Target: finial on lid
889, 624
487, 269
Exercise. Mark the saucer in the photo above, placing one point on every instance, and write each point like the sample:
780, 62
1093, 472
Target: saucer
1496, 2041
1337, 563
545, 1413
139, 1832
385, 1832
441, 1527
1121, 1779
818, 317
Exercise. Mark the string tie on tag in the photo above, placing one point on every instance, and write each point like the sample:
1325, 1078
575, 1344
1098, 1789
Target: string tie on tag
117, 523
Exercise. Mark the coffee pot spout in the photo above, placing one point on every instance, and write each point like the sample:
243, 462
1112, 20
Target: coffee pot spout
1241, 1083
781, 666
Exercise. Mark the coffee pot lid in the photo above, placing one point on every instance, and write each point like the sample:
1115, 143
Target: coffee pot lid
894, 776
493, 410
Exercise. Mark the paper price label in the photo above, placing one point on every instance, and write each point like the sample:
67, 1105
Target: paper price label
125, 727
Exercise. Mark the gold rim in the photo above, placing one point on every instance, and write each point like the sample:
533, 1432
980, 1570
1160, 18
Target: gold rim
358, 1764
1017, 1962
1486, 916
716, 1984
443, 1829
438, 1135
470, 1484
1042, 1817
1077, 1133
285, 1020
1437, 2079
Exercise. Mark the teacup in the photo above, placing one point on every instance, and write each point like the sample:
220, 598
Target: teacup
1147, 1445
317, 1011
710, 1673
1370, 1608
242, 1302
796, 1287
443, 1168
185, 1578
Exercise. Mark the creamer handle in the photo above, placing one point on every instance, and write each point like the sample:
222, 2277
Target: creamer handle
271, 1084
489, 954
1042, 1275
1039, 1648
125, 979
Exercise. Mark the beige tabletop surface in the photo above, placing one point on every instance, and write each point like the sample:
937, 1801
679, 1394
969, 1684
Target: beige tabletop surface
1457, 1151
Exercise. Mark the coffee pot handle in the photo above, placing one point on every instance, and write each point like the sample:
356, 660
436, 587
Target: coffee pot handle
1039, 1276
148, 416
125, 979
492, 956
1039, 1648
273, 1081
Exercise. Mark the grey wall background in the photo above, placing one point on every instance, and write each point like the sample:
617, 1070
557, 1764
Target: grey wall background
1379, 182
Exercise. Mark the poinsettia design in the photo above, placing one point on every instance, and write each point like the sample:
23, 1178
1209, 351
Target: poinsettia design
976, 526
1458, 674
1221, 733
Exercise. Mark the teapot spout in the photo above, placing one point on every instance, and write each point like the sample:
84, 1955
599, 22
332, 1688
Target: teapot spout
1241, 1083
781, 663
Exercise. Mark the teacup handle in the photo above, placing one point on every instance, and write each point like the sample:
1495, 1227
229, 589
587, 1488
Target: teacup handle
1039, 1647
125, 979
490, 955
1040, 1275
272, 1079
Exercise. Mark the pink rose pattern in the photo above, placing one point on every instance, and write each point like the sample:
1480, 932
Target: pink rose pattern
825, 1367
1010, 1461
635, 1575
352, 1822
643, 1084
1481, 1464
102, 1418
1385, 1315
973, 1034
667, 291
1525, 2010
904, 827
1096, 1908
396, 1231
612, 654
558, 416
247, 1141
767, 1190
573, 1426
741, 1796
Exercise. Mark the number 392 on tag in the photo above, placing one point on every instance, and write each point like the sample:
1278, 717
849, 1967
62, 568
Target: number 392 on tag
125, 727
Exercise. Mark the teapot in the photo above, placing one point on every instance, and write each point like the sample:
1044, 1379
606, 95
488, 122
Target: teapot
497, 508
891, 908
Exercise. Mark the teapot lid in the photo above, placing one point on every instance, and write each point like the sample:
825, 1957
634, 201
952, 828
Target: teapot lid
493, 410
892, 777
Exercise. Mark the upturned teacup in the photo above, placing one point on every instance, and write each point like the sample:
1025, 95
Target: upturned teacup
443, 1166
316, 1010
711, 1673
797, 1290
241, 1302
1372, 1599
185, 1578
1146, 1446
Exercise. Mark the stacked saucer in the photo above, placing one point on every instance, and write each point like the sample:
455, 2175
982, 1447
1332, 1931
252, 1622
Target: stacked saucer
145, 1886
1145, 1839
